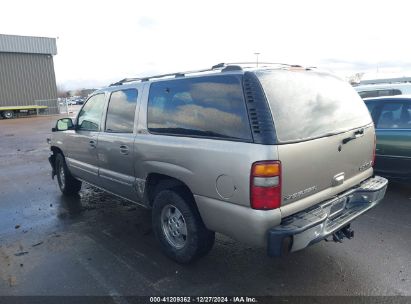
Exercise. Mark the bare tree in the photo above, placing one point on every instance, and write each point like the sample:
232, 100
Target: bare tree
61, 92
356, 78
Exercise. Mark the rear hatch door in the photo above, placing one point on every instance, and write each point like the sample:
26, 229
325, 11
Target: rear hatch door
324, 131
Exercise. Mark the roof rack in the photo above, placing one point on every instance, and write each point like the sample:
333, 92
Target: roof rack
223, 67
259, 64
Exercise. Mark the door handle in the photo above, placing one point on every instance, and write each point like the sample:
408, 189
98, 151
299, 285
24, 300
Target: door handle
356, 135
92, 144
124, 149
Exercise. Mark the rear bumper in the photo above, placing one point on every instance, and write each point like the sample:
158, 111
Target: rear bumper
317, 223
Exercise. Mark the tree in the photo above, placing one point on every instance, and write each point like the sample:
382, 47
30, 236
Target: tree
356, 78
62, 93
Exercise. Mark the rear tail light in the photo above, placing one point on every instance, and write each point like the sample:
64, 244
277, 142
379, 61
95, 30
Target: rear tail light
265, 185
373, 153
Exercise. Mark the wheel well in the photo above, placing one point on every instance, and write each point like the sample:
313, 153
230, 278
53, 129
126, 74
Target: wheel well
56, 150
158, 182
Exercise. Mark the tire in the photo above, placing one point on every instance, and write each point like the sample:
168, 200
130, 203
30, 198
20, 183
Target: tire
8, 114
178, 227
68, 185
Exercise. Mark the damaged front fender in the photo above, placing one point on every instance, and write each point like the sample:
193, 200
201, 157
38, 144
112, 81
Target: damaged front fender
52, 160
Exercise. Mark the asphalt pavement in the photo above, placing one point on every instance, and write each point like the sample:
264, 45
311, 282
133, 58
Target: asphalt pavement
97, 244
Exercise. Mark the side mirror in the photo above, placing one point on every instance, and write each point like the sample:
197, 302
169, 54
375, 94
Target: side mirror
63, 124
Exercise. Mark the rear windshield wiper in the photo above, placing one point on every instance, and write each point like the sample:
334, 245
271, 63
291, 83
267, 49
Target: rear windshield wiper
357, 134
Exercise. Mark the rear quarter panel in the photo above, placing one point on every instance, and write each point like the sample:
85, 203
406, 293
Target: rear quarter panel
199, 162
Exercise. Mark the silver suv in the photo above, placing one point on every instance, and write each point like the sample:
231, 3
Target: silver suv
278, 156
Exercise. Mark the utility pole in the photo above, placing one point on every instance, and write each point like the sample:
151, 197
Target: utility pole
256, 54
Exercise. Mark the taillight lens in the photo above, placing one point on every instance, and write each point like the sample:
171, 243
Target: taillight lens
373, 153
265, 185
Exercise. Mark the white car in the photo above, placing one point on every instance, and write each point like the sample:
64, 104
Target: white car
383, 89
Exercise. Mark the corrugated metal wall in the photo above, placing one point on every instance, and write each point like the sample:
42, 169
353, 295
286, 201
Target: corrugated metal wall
25, 78
27, 44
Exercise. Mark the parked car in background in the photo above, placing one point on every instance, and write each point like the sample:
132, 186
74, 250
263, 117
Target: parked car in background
392, 119
80, 101
383, 89
224, 150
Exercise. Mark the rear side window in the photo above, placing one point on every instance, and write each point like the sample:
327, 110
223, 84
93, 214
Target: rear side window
308, 104
121, 111
395, 115
211, 107
372, 106
89, 118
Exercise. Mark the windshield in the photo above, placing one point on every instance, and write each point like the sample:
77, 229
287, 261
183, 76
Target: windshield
307, 104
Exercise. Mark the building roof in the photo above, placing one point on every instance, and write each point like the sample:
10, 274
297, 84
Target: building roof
27, 44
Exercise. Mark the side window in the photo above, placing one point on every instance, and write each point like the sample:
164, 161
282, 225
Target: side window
395, 116
382, 93
212, 107
395, 92
379, 93
372, 107
121, 111
367, 94
89, 118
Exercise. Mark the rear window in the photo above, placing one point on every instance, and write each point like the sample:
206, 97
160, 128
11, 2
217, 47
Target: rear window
379, 93
308, 104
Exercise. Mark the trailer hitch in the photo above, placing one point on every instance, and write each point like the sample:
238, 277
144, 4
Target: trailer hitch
348, 232
345, 232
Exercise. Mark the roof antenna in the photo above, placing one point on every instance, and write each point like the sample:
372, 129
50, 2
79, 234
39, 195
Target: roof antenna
256, 54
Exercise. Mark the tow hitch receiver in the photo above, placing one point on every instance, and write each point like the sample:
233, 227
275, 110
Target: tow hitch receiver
345, 232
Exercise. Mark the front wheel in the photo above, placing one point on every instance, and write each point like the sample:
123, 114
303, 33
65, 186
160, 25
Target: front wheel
179, 228
67, 183
8, 114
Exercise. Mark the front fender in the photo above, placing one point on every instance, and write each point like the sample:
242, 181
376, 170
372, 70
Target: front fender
52, 160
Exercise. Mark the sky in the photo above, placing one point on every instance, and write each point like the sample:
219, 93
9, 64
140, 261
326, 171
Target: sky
99, 42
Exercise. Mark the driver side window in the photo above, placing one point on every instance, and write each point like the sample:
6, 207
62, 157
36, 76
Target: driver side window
90, 115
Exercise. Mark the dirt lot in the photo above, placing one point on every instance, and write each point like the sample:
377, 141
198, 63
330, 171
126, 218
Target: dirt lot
100, 245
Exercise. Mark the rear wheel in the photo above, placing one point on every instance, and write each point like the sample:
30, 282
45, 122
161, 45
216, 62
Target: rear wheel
67, 183
179, 228
8, 114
